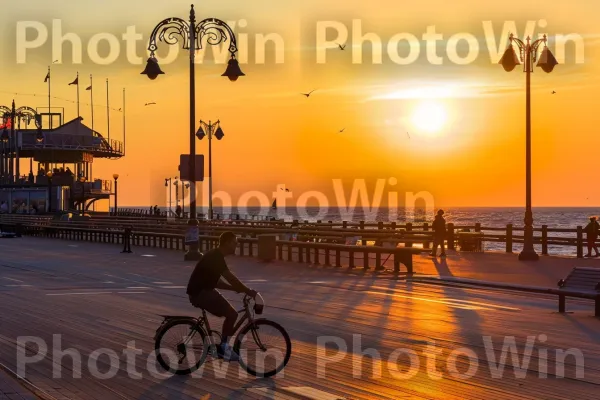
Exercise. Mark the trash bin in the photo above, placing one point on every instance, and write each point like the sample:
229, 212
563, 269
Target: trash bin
267, 247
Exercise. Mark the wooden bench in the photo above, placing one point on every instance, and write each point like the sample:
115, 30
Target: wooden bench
583, 283
11, 230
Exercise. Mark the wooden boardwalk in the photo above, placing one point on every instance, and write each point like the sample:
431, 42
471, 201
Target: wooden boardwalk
353, 336
10, 389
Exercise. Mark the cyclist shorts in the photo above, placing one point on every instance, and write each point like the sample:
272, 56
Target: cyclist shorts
213, 302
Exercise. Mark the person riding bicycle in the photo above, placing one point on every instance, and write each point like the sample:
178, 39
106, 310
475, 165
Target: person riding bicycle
204, 282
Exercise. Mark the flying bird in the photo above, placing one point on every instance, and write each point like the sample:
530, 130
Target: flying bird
287, 190
407, 135
553, 92
119, 109
55, 61
308, 94
342, 130
341, 47
148, 104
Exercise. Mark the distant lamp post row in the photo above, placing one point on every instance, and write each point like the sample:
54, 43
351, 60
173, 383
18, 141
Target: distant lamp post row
192, 35
528, 55
216, 131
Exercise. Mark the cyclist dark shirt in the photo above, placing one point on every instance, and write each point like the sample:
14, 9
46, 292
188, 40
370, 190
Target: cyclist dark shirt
207, 273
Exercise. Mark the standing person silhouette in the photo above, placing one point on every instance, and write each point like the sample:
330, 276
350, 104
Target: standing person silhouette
439, 233
592, 229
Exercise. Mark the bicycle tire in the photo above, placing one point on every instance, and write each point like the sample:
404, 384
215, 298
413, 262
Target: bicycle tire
201, 336
243, 355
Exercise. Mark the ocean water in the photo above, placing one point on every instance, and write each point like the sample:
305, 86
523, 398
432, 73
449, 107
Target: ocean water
493, 217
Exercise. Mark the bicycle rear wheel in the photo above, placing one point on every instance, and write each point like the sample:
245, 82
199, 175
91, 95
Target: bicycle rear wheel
181, 347
264, 348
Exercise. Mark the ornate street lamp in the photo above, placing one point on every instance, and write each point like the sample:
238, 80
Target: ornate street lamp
216, 131
192, 34
528, 55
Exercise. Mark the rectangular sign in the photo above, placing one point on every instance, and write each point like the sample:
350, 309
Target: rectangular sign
191, 235
184, 167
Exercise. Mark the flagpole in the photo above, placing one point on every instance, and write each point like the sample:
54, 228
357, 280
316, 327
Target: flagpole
107, 112
49, 105
123, 121
78, 114
92, 101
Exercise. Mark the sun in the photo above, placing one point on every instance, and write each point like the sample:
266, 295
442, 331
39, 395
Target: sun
430, 117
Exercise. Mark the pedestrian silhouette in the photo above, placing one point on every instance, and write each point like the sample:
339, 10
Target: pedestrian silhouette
592, 229
439, 233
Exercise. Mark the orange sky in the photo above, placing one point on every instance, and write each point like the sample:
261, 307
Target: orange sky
274, 135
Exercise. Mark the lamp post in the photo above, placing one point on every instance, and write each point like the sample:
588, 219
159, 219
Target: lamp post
116, 177
218, 133
528, 54
176, 184
168, 185
49, 175
191, 34
82, 200
4, 139
14, 168
183, 187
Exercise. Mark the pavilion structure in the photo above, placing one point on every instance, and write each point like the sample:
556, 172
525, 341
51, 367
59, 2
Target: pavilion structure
45, 169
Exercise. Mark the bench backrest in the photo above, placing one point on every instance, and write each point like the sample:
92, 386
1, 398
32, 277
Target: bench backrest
582, 278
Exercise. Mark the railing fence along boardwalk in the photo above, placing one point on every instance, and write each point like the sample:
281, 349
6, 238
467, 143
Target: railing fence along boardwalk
335, 232
334, 255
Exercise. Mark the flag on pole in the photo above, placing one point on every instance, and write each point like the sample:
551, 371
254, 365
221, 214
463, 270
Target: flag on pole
47, 76
75, 82
89, 87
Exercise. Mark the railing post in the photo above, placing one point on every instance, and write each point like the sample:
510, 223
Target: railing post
478, 227
362, 225
579, 242
426, 244
509, 238
344, 224
450, 236
380, 225
397, 261
408, 230
545, 240
393, 226
127, 240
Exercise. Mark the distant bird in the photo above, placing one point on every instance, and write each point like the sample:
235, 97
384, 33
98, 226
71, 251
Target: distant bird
407, 135
341, 47
342, 130
55, 61
553, 92
287, 190
148, 104
119, 109
308, 94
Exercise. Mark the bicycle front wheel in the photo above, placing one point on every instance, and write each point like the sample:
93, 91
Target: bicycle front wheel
264, 348
181, 347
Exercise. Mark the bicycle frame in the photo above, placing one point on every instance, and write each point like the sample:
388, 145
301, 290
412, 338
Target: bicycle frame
203, 323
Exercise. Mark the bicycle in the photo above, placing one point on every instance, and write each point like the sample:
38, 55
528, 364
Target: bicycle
197, 335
